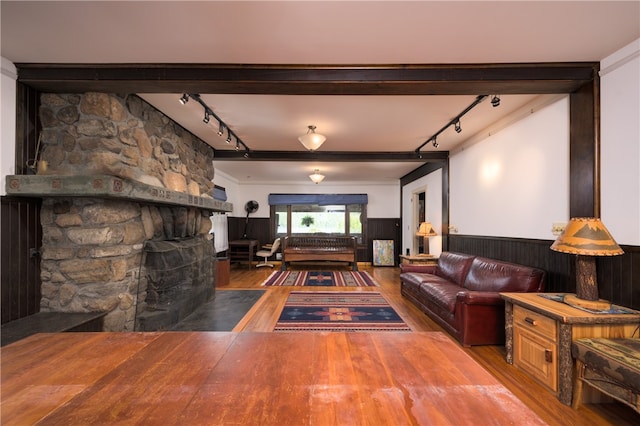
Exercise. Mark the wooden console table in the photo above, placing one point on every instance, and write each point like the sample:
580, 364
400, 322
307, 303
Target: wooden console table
418, 259
539, 333
243, 250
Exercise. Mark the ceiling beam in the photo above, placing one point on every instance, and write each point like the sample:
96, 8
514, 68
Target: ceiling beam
310, 80
333, 156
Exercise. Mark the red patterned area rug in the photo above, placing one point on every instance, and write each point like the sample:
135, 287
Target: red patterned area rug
338, 311
320, 279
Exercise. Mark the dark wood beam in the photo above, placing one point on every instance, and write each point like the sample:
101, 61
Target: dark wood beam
333, 156
584, 151
578, 79
309, 80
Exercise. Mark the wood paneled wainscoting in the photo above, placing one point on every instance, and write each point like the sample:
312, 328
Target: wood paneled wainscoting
618, 276
20, 259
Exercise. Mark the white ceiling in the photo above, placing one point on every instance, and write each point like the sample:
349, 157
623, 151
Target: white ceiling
323, 32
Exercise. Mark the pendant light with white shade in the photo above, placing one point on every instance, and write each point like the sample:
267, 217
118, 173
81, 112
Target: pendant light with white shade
312, 140
316, 177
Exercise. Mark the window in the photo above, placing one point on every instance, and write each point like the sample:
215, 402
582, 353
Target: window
300, 214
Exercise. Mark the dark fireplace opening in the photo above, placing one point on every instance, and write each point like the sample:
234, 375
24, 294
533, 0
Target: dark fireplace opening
179, 278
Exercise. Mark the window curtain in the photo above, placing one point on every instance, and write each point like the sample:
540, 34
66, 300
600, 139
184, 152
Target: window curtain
319, 199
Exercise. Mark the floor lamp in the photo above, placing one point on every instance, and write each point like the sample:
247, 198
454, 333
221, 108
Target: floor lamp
586, 237
426, 230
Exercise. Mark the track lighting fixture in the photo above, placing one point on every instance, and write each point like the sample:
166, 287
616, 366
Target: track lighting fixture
455, 122
312, 140
208, 114
495, 101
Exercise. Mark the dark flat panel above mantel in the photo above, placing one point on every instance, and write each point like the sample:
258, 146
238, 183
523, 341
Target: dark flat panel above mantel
102, 186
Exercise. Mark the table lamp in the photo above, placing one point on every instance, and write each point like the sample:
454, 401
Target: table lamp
586, 237
426, 230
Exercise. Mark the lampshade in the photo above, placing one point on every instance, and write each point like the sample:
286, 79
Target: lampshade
586, 236
426, 230
316, 177
312, 140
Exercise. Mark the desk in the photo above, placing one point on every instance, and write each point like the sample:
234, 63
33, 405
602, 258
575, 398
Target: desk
243, 250
539, 333
419, 259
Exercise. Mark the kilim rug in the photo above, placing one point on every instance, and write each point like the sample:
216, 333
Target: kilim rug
320, 279
338, 311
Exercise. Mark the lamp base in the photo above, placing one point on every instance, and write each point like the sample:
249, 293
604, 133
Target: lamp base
594, 305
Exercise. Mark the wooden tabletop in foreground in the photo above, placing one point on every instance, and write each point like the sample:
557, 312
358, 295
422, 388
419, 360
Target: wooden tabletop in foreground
220, 378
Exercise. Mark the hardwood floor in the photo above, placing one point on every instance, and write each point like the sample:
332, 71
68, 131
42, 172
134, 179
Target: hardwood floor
264, 314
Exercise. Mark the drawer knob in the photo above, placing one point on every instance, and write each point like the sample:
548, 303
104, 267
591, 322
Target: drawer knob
531, 321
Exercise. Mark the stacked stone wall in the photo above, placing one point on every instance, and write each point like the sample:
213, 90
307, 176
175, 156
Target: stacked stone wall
92, 254
124, 136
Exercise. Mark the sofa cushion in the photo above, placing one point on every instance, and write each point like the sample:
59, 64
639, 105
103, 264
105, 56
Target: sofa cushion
441, 292
494, 275
413, 279
416, 267
454, 266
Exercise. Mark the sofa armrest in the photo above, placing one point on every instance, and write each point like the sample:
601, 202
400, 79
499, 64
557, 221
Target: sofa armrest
423, 269
479, 297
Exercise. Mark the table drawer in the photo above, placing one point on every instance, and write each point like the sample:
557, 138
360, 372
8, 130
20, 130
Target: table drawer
535, 323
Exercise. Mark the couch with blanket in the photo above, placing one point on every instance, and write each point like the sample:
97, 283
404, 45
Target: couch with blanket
462, 293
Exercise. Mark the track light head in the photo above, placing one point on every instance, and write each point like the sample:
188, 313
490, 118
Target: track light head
228, 136
207, 117
457, 126
237, 145
246, 154
184, 98
220, 129
495, 101
435, 143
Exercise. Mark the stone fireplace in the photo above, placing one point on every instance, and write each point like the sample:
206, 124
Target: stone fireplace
127, 196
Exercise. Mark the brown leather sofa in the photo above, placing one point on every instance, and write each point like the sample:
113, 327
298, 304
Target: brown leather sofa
461, 293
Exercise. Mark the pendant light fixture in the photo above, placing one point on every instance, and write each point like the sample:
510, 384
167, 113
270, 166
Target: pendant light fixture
316, 177
312, 140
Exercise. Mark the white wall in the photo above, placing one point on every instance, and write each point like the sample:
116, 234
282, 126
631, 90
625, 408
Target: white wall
384, 198
515, 182
7, 121
432, 186
230, 185
620, 144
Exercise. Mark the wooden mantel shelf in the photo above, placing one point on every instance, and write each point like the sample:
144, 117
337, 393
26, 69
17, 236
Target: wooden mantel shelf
103, 186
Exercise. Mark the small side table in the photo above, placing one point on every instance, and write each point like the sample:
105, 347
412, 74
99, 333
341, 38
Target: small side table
539, 333
420, 259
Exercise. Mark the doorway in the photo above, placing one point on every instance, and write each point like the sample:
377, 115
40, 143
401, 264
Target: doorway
419, 215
